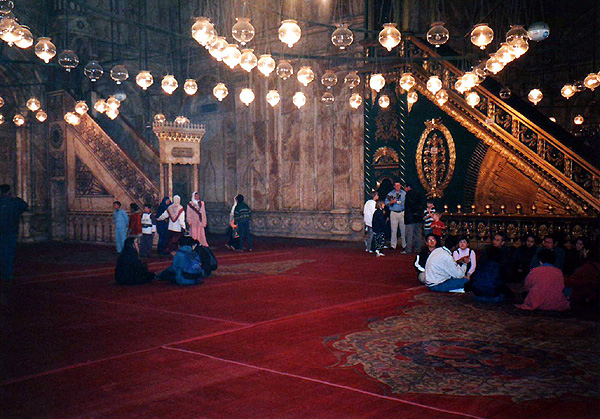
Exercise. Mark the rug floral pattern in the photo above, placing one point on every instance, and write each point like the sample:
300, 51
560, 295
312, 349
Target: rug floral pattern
446, 345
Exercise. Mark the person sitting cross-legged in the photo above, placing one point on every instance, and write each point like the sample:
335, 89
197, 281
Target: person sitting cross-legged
442, 272
186, 268
130, 270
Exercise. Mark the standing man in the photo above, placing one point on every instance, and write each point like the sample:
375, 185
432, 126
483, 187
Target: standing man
11, 209
241, 219
121, 224
412, 219
395, 201
368, 212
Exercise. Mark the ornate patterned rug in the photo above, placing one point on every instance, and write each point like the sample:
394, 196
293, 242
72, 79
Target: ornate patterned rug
445, 344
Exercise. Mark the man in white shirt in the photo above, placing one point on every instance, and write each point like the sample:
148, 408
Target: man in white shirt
442, 272
368, 212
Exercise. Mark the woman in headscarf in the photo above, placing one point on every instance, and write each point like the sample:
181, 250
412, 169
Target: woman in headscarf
196, 219
130, 270
162, 227
176, 216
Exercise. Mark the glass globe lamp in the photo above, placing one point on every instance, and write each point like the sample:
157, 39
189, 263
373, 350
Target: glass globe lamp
1, 101
93, 70
181, 120
460, 86
266, 64
159, 119
289, 32
243, 31
505, 54
472, 99
578, 120
68, 60
434, 84
6, 6
327, 98
299, 99
273, 98
567, 91
24, 37
384, 101
1, 119
119, 73
519, 47
10, 32
220, 91
515, 33
329, 79
41, 116
19, 120
217, 47
45, 49
72, 118
112, 113
247, 96
144, 79
438, 34
494, 65
203, 31
389, 37
352, 79
505, 93
113, 103
169, 84
377, 82
441, 97
248, 60
81, 107
100, 106
412, 97
407, 81
305, 75
285, 69
482, 35
342, 37
232, 56
535, 96
190, 87
591, 81
470, 79
33, 104
355, 101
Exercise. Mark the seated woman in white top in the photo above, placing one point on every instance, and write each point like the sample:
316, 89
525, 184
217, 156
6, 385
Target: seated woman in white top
464, 252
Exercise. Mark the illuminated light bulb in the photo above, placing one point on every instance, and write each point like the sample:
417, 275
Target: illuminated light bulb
24, 37
285, 69
352, 79
45, 49
591, 81
33, 104
494, 65
68, 60
299, 99
327, 98
505, 93
305, 75
19, 120
119, 73
220, 91
482, 35
232, 56
470, 79
159, 119
113, 103
384, 101
10, 33
1, 101
112, 113
377, 82
247, 96
81, 107
342, 37
516, 33
273, 98
329, 79
460, 86
389, 37
243, 31
567, 91
72, 118
181, 120
190, 87
203, 31
266, 64
248, 60
441, 97
169, 84
438, 34
412, 97
535, 96
519, 47
289, 32
355, 100
100, 106
93, 70
578, 120
505, 54
217, 47
472, 99
1, 119
407, 81
144, 79
434, 84
41, 116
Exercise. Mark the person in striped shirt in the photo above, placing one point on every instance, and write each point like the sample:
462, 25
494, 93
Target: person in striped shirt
428, 217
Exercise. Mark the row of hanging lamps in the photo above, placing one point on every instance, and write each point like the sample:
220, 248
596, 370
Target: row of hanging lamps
220, 91
355, 100
81, 107
248, 60
299, 99
289, 32
144, 79
190, 87
377, 82
352, 80
247, 96
305, 75
203, 31
243, 31
284, 69
438, 34
273, 98
169, 84
535, 96
266, 64
45, 49
342, 37
93, 70
482, 35
390, 36
327, 98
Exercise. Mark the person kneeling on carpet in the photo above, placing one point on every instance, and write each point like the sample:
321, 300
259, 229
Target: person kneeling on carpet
130, 270
442, 272
186, 268
208, 259
487, 281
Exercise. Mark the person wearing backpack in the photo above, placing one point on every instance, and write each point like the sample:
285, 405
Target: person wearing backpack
209, 261
186, 268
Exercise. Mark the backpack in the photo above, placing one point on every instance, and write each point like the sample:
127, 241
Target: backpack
192, 267
208, 259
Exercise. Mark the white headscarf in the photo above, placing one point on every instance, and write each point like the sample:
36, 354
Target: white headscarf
233, 208
195, 201
175, 206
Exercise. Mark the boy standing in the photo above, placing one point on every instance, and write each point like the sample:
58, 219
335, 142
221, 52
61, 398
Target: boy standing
148, 230
368, 212
438, 226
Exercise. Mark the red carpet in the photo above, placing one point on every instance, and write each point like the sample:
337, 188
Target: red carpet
302, 329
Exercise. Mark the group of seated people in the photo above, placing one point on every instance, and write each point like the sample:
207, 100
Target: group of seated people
554, 278
191, 264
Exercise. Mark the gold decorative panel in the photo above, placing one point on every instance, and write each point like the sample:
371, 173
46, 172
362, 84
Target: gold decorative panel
386, 158
436, 158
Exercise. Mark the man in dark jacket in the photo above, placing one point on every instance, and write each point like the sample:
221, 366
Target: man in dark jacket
11, 209
413, 217
241, 220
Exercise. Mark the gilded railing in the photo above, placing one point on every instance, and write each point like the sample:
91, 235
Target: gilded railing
493, 118
95, 227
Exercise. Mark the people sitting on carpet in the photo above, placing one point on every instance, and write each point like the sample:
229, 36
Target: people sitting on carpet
523, 256
486, 282
584, 284
432, 242
574, 257
465, 253
130, 270
545, 285
442, 272
507, 261
379, 226
551, 243
208, 259
186, 268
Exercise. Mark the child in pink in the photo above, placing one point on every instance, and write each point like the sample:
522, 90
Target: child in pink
437, 226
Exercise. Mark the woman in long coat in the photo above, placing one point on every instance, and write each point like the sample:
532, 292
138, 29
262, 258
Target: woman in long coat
196, 219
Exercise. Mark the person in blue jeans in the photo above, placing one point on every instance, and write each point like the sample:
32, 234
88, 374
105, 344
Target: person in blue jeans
442, 272
241, 220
